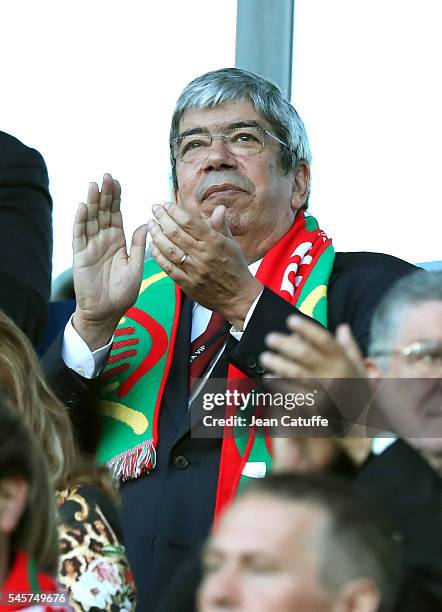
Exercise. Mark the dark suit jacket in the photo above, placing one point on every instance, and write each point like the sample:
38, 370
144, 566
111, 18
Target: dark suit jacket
401, 484
169, 512
25, 236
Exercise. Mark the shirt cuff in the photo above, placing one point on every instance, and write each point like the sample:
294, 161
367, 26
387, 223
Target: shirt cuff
237, 333
77, 355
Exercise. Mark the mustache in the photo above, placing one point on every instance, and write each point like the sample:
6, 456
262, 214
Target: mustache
224, 176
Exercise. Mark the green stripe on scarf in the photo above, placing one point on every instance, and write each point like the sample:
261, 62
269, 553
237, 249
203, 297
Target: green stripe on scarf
33, 576
139, 351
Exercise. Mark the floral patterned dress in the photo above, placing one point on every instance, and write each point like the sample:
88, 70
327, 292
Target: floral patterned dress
93, 563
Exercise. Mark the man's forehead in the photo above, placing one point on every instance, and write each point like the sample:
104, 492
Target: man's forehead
253, 519
221, 116
422, 321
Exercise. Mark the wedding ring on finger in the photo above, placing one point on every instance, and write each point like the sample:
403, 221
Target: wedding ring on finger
183, 260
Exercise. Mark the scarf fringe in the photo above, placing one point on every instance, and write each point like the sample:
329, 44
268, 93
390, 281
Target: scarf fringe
140, 459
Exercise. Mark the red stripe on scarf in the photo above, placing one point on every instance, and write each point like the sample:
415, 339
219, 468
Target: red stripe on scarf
176, 319
158, 348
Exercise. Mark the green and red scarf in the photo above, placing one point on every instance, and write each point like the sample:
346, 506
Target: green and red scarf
297, 268
23, 580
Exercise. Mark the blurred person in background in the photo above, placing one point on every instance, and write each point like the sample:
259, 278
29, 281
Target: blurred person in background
28, 526
25, 236
406, 343
298, 543
89, 525
397, 471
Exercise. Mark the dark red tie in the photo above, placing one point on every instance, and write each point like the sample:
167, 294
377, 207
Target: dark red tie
205, 347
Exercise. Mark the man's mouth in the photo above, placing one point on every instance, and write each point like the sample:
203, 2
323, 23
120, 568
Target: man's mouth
224, 189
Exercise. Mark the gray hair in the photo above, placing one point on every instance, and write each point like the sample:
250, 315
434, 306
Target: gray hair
355, 541
410, 290
231, 84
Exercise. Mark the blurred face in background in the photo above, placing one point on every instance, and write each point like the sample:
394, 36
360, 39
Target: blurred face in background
264, 557
13, 497
414, 406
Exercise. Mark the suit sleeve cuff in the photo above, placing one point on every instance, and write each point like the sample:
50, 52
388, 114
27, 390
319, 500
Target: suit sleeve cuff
237, 333
269, 314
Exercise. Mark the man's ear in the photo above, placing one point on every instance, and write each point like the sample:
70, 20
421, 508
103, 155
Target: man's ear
359, 595
300, 187
13, 498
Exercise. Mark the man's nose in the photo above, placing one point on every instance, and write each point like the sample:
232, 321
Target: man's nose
220, 590
218, 156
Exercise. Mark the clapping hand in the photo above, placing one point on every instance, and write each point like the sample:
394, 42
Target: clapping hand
311, 351
202, 256
106, 278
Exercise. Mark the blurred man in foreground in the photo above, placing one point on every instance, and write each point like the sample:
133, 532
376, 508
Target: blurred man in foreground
298, 543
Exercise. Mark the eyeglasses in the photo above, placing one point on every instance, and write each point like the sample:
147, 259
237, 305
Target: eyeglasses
246, 141
423, 353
